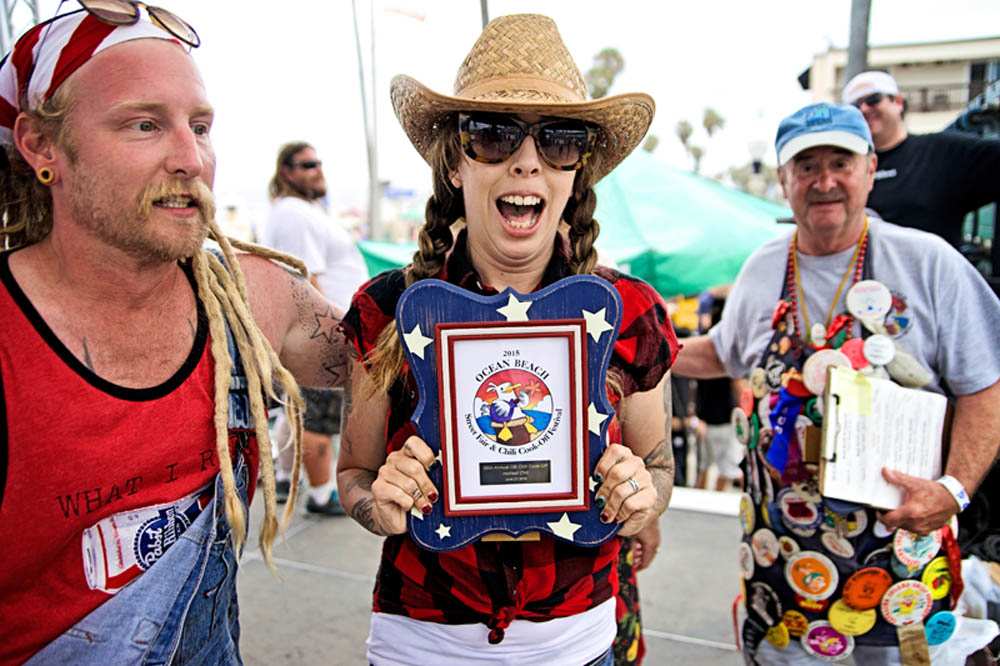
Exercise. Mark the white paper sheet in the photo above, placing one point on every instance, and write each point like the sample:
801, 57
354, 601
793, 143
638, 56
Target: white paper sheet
873, 423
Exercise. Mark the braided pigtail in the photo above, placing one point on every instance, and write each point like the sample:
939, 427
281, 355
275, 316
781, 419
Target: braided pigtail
583, 228
445, 206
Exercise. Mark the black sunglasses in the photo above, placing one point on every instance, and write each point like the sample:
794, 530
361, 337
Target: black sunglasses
870, 100
563, 143
306, 165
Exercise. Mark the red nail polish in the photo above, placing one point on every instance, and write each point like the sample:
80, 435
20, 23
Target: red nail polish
426, 509
433, 496
605, 518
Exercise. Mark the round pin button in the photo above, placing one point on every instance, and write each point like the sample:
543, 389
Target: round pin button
865, 588
880, 530
788, 546
854, 350
765, 547
826, 643
778, 636
914, 551
745, 557
741, 425
796, 622
869, 299
879, 350
763, 603
817, 333
837, 545
849, 621
811, 575
814, 370
906, 602
746, 400
937, 578
903, 571
797, 512
746, 513
758, 382
940, 627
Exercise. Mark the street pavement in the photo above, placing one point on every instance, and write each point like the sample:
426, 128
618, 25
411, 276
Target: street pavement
316, 610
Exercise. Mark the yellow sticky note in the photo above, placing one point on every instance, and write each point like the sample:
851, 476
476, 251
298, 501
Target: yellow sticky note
854, 389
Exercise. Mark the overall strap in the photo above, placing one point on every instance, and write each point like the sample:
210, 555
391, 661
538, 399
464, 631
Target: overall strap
239, 397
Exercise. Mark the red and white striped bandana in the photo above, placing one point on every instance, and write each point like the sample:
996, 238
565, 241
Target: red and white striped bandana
50, 52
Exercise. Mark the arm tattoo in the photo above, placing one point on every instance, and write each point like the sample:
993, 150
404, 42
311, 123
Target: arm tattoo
321, 325
362, 512
660, 463
325, 325
364, 509
89, 362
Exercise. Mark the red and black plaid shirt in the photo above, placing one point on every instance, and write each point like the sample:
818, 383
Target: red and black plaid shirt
494, 583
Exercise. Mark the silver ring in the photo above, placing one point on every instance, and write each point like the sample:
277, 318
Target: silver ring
633, 484
416, 493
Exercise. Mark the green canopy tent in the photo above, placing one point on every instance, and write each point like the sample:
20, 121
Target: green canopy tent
680, 232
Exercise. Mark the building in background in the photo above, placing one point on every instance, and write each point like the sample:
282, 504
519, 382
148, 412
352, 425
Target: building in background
938, 79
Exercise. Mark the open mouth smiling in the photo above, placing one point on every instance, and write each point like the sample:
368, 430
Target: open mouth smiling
520, 211
176, 201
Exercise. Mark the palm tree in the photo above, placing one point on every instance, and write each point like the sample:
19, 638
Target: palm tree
608, 63
684, 131
697, 152
712, 121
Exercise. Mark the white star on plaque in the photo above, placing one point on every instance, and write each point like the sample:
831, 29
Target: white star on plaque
515, 310
443, 531
564, 528
596, 323
591, 483
416, 341
415, 512
595, 419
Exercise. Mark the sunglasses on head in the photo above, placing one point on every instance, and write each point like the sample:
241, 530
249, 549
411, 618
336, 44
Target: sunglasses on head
124, 12
306, 165
871, 100
562, 143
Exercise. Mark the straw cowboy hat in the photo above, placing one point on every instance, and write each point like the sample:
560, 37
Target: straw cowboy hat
519, 64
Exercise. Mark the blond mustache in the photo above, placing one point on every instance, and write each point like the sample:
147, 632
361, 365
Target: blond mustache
196, 190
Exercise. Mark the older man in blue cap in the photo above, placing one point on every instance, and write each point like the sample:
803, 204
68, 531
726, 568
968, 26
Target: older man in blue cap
827, 578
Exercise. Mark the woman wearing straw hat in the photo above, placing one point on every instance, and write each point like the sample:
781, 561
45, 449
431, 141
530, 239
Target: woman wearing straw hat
515, 153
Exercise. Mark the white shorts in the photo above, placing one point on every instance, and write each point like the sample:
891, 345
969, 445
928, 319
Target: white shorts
725, 450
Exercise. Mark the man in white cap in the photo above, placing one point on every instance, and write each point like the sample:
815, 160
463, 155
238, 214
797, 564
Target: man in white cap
923, 181
803, 606
134, 363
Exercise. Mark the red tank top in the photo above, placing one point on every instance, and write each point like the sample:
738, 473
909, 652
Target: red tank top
86, 462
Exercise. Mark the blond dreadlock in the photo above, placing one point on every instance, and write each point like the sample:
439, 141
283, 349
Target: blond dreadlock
444, 208
26, 210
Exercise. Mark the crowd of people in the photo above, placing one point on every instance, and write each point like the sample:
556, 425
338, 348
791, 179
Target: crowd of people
141, 349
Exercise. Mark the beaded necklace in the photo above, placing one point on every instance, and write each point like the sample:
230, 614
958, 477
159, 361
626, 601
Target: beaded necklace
794, 286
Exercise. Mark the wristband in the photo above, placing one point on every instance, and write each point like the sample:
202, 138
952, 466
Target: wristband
957, 490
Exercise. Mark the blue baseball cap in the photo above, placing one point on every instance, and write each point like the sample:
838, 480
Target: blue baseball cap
823, 124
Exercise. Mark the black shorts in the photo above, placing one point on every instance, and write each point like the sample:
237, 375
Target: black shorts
323, 407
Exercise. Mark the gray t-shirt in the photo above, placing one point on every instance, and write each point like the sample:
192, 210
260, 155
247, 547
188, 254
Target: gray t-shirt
948, 317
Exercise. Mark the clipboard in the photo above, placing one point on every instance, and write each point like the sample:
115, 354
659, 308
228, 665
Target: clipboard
871, 423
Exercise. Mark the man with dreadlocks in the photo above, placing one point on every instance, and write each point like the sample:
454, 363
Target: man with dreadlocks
133, 363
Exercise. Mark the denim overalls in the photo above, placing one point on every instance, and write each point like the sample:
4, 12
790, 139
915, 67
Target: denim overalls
183, 610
